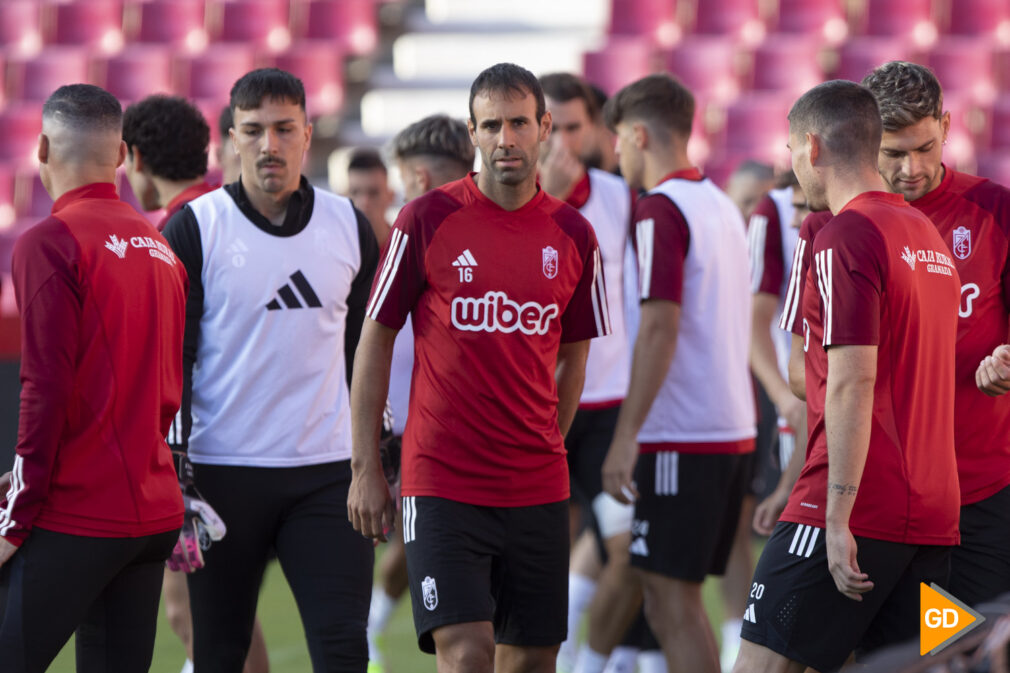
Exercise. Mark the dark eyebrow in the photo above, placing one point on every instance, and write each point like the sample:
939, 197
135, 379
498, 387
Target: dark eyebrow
520, 118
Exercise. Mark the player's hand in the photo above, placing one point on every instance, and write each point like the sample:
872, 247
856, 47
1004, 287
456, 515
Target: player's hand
7, 550
794, 410
560, 170
201, 525
841, 548
768, 512
993, 374
618, 469
370, 508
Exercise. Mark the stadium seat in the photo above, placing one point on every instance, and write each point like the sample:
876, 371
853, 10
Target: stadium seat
757, 126
94, 23
319, 64
138, 71
7, 212
824, 19
20, 125
966, 126
652, 19
910, 19
735, 18
964, 64
858, 56
20, 25
263, 23
787, 63
176, 22
352, 24
999, 124
995, 166
980, 18
621, 61
31, 200
35, 77
212, 73
706, 64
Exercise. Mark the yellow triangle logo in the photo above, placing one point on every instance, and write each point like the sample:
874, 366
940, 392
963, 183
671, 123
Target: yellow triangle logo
942, 619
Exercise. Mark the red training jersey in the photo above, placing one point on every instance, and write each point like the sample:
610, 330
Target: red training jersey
882, 276
102, 300
184, 197
492, 294
972, 215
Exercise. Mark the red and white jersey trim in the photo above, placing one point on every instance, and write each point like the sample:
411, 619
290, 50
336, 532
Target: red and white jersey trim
601, 311
797, 276
397, 246
16, 487
822, 260
646, 250
757, 233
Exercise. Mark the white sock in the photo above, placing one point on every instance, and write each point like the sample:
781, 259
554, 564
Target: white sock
622, 660
580, 592
382, 608
590, 661
652, 661
730, 643
187, 667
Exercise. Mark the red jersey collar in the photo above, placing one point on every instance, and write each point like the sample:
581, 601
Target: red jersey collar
691, 173
928, 198
188, 194
96, 190
886, 197
471, 185
580, 195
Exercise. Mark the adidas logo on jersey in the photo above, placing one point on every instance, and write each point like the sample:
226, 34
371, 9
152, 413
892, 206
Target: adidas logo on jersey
495, 312
117, 245
749, 614
465, 258
639, 547
289, 297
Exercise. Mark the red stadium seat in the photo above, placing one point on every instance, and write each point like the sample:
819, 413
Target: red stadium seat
995, 166
263, 23
824, 19
980, 18
7, 212
620, 62
652, 19
94, 23
352, 24
858, 56
964, 64
319, 64
20, 25
36, 77
20, 125
737, 18
176, 22
787, 63
911, 19
212, 73
706, 64
31, 200
965, 128
136, 72
757, 126
1000, 124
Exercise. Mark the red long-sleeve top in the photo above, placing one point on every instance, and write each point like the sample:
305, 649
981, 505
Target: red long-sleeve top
102, 301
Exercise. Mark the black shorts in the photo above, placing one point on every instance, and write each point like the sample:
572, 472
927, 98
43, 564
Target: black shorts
505, 565
795, 609
587, 443
687, 514
980, 567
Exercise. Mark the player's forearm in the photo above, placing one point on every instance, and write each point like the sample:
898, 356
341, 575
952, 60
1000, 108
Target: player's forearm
369, 388
797, 369
652, 357
848, 411
764, 360
795, 465
571, 376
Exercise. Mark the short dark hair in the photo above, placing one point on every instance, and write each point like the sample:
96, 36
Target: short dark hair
787, 179
659, 100
251, 88
366, 159
508, 78
225, 121
436, 136
84, 107
906, 94
599, 95
846, 117
171, 134
564, 87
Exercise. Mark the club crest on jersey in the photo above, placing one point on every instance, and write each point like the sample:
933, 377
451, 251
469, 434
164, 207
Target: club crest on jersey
117, 245
909, 257
550, 258
962, 242
430, 593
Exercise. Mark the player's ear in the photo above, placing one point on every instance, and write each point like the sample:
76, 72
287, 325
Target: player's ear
136, 158
122, 153
545, 126
423, 177
945, 125
641, 135
471, 128
814, 143
43, 149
